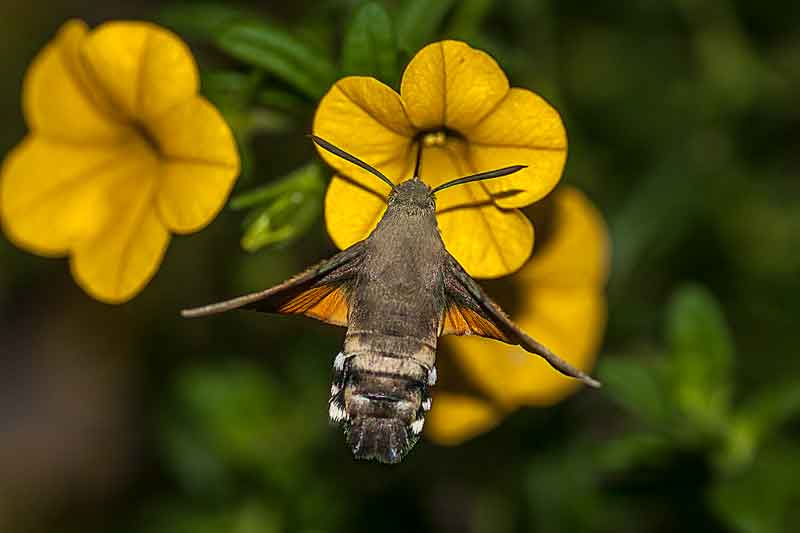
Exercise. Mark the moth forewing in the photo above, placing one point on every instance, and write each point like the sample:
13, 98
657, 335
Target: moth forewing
480, 315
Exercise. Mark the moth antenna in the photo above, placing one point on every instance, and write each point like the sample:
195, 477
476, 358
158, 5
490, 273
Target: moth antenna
325, 145
499, 173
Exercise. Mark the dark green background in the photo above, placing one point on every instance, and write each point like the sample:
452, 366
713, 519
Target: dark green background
684, 128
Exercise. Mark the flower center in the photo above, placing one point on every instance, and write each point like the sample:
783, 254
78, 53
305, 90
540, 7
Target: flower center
434, 138
148, 138
438, 138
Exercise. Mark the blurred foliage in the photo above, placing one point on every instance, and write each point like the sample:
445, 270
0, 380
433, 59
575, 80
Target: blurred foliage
683, 128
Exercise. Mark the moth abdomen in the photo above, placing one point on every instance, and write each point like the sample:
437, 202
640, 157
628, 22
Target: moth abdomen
380, 401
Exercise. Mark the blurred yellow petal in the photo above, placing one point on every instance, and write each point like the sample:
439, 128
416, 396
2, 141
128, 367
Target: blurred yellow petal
567, 313
144, 69
53, 194
522, 130
200, 164
455, 418
351, 211
168, 76
579, 255
488, 241
366, 118
191, 194
56, 101
451, 84
119, 261
122, 150
195, 132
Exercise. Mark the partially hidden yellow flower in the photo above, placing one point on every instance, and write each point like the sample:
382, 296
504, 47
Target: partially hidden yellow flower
559, 298
456, 106
122, 151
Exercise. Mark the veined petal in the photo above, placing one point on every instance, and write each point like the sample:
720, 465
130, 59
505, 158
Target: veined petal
195, 132
53, 194
351, 211
144, 69
366, 118
567, 318
56, 101
448, 83
200, 164
191, 194
119, 261
168, 75
455, 418
522, 130
488, 241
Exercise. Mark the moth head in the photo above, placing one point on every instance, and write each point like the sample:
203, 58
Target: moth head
413, 193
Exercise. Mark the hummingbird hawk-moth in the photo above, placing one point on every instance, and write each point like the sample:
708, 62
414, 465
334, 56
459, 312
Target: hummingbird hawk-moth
396, 292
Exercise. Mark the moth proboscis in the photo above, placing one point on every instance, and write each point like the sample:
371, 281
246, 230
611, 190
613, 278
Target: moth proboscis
396, 292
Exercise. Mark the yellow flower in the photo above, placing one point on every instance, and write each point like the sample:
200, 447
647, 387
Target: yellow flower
456, 106
559, 300
122, 151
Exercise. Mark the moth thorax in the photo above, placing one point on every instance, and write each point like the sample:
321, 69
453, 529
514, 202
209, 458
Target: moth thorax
380, 402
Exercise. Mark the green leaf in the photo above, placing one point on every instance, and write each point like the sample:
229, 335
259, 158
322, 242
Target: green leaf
370, 44
774, 406
306, 178
285, 220
284, 210
757, 421
640, 387
418, 22
696, 324
201, 21
281, 100
631, 450
468, 17
764, 498
230, 89
702, 354
279, 53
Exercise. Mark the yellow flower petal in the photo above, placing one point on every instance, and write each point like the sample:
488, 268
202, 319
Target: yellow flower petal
522, 130
489, 242
579, 254
144, 69
56, 101
168, 75
122, 148
351, 211
455, 418
200, 164
450, 84
53, 194
191, 194
567, 317
125, 254
195, 132
366, 118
